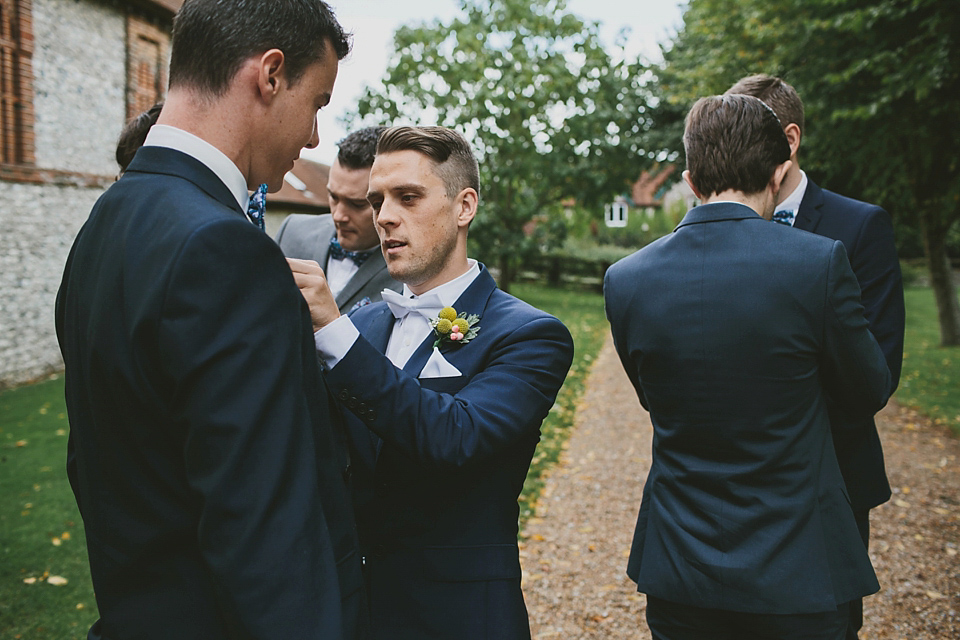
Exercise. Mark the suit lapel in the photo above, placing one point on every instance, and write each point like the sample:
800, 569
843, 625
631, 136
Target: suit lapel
472, 301
323, 248
373, 265
808, 217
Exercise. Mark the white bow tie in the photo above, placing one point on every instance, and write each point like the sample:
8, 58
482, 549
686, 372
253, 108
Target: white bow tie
428, 305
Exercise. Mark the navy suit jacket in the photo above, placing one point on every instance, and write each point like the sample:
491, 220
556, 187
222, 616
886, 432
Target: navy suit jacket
206, 464
307, 237
730, 328
867, 235
439, 464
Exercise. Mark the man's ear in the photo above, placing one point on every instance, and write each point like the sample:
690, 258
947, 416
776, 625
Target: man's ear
467, 200
686, 178
271, 73
777, 179
792, 131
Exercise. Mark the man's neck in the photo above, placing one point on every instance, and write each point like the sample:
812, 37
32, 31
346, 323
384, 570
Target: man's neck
210, 120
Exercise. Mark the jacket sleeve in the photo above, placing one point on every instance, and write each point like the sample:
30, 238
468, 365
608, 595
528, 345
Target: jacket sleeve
877, 268
506, 399
852, 363
231, 335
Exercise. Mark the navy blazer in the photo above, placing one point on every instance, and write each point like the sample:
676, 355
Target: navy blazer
440, 462
867, 235
307, 237
206, 465
729, 328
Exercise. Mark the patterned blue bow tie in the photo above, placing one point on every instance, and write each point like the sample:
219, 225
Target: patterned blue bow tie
339, 253
785, 217
257, 206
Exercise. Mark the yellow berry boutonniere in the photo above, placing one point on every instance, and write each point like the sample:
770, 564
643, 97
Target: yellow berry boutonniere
453, 328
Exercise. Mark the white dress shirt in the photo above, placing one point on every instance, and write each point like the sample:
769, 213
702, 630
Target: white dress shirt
334, 340
161, 135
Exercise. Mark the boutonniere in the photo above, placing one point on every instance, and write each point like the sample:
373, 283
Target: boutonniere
452, 328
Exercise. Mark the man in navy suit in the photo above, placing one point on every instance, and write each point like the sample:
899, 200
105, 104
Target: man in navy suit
730, 328
447, 385
867, 235
345, 241
203, 454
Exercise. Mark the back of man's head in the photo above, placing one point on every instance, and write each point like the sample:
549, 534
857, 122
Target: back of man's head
776, 94
358, 149
450, 152
212, 38
733, 142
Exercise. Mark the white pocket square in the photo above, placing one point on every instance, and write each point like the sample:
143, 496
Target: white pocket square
438, 367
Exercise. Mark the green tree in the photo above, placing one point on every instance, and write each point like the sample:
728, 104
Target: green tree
550, 112
879, 79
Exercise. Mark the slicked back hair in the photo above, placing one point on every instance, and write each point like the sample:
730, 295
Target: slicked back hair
776, 94
450, 152
733, 142
212, 39
358, 149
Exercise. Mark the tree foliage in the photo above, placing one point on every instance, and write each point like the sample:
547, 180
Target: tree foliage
879, 80
550, 112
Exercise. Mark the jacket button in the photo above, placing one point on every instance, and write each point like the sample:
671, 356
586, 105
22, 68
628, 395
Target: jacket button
371, 414
343, 395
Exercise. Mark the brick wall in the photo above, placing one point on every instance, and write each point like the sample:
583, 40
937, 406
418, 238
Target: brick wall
80, 103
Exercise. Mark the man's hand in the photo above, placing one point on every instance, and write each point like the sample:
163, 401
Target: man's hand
313, 285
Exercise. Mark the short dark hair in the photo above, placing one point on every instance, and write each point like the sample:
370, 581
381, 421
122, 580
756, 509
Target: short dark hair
212, 38
776, 94
358, 148
450, 152
733, 142
134, 134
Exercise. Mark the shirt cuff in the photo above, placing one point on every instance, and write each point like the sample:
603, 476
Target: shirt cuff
334, 340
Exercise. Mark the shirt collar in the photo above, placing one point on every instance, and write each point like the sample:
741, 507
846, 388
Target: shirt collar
450, 292
161, 135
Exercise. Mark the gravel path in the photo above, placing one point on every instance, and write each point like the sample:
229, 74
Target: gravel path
575, 551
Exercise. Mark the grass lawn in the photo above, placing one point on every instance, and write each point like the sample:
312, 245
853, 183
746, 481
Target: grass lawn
41, 534
931, 374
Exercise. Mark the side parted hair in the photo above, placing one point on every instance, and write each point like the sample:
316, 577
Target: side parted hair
450, 152
358, 149
212, 39
733, 142
776, 94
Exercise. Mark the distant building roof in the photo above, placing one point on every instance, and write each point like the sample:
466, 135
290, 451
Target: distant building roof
644, 190
304, 188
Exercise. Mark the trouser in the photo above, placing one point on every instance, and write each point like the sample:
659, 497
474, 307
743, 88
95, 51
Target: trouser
672, 621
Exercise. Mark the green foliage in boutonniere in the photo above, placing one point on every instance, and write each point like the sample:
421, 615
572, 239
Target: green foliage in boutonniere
451, 328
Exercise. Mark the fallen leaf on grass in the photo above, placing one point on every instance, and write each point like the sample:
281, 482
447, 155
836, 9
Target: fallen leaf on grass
21, 443
57, 581
56, 541
29, 580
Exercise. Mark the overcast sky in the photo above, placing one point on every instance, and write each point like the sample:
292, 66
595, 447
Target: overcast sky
373, 22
